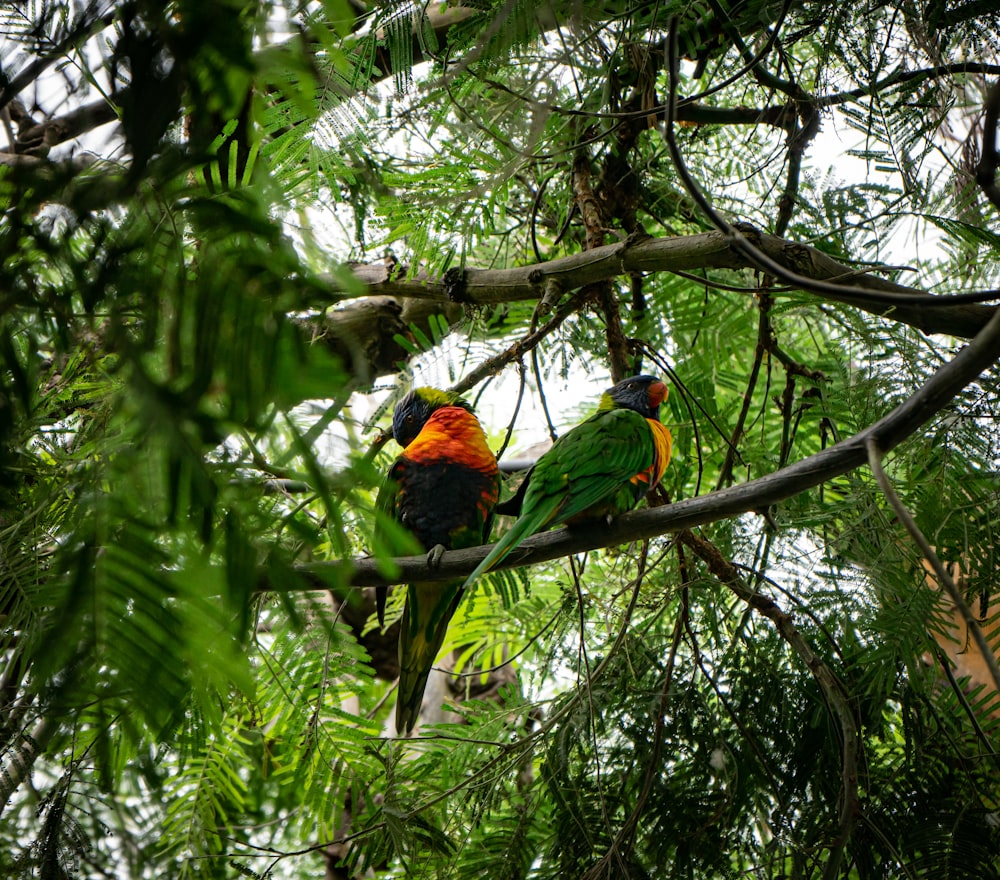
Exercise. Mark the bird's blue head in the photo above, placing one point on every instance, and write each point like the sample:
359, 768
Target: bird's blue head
644, 394
413, 411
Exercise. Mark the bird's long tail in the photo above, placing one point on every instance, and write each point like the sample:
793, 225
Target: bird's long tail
428, 611
523, 528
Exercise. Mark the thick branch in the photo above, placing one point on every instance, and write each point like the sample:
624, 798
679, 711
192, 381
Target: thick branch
365, 334
41, 136
707, 250
756, 495
18, 160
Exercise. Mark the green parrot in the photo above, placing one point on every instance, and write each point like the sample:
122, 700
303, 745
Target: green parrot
602, 467
442, 488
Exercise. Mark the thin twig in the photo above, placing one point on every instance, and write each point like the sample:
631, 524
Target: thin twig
875, 454
949, 673
764, 335
509, 432
517, 350
787, 412
901, 76
720, 285
624, 839
691, 402
986, 171
835, 693
536, 368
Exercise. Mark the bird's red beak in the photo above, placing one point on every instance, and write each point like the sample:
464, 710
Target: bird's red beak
657, 393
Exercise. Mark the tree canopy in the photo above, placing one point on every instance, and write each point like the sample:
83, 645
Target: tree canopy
234, 234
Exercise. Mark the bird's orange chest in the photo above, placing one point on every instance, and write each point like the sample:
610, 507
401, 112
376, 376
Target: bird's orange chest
454, 435
662, 442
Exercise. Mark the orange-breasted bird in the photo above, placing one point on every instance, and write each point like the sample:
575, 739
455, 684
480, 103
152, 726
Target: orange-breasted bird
442, 488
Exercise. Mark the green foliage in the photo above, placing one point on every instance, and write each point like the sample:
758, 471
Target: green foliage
189, 690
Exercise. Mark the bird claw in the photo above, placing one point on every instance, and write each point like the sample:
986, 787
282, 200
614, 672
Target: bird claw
434, 555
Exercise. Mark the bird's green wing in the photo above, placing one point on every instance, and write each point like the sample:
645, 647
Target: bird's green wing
385, 502
592, 466
428, 611
588, 470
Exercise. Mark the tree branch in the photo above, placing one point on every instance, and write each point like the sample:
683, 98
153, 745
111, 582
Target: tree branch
837, 696
746, 240
86, 28
516, 350
37, 137
21, 758
936, 393
900, 76
365, 334
804, 266
986, 171
765, 341
79, 162
50, 132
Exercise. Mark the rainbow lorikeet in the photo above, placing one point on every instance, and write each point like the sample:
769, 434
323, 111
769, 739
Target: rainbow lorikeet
602, 467
442, 488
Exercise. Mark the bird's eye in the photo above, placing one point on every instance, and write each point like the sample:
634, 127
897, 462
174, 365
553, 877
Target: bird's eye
409, 419
630, 386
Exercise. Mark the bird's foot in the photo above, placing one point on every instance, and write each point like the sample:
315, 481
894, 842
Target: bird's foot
434, 555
